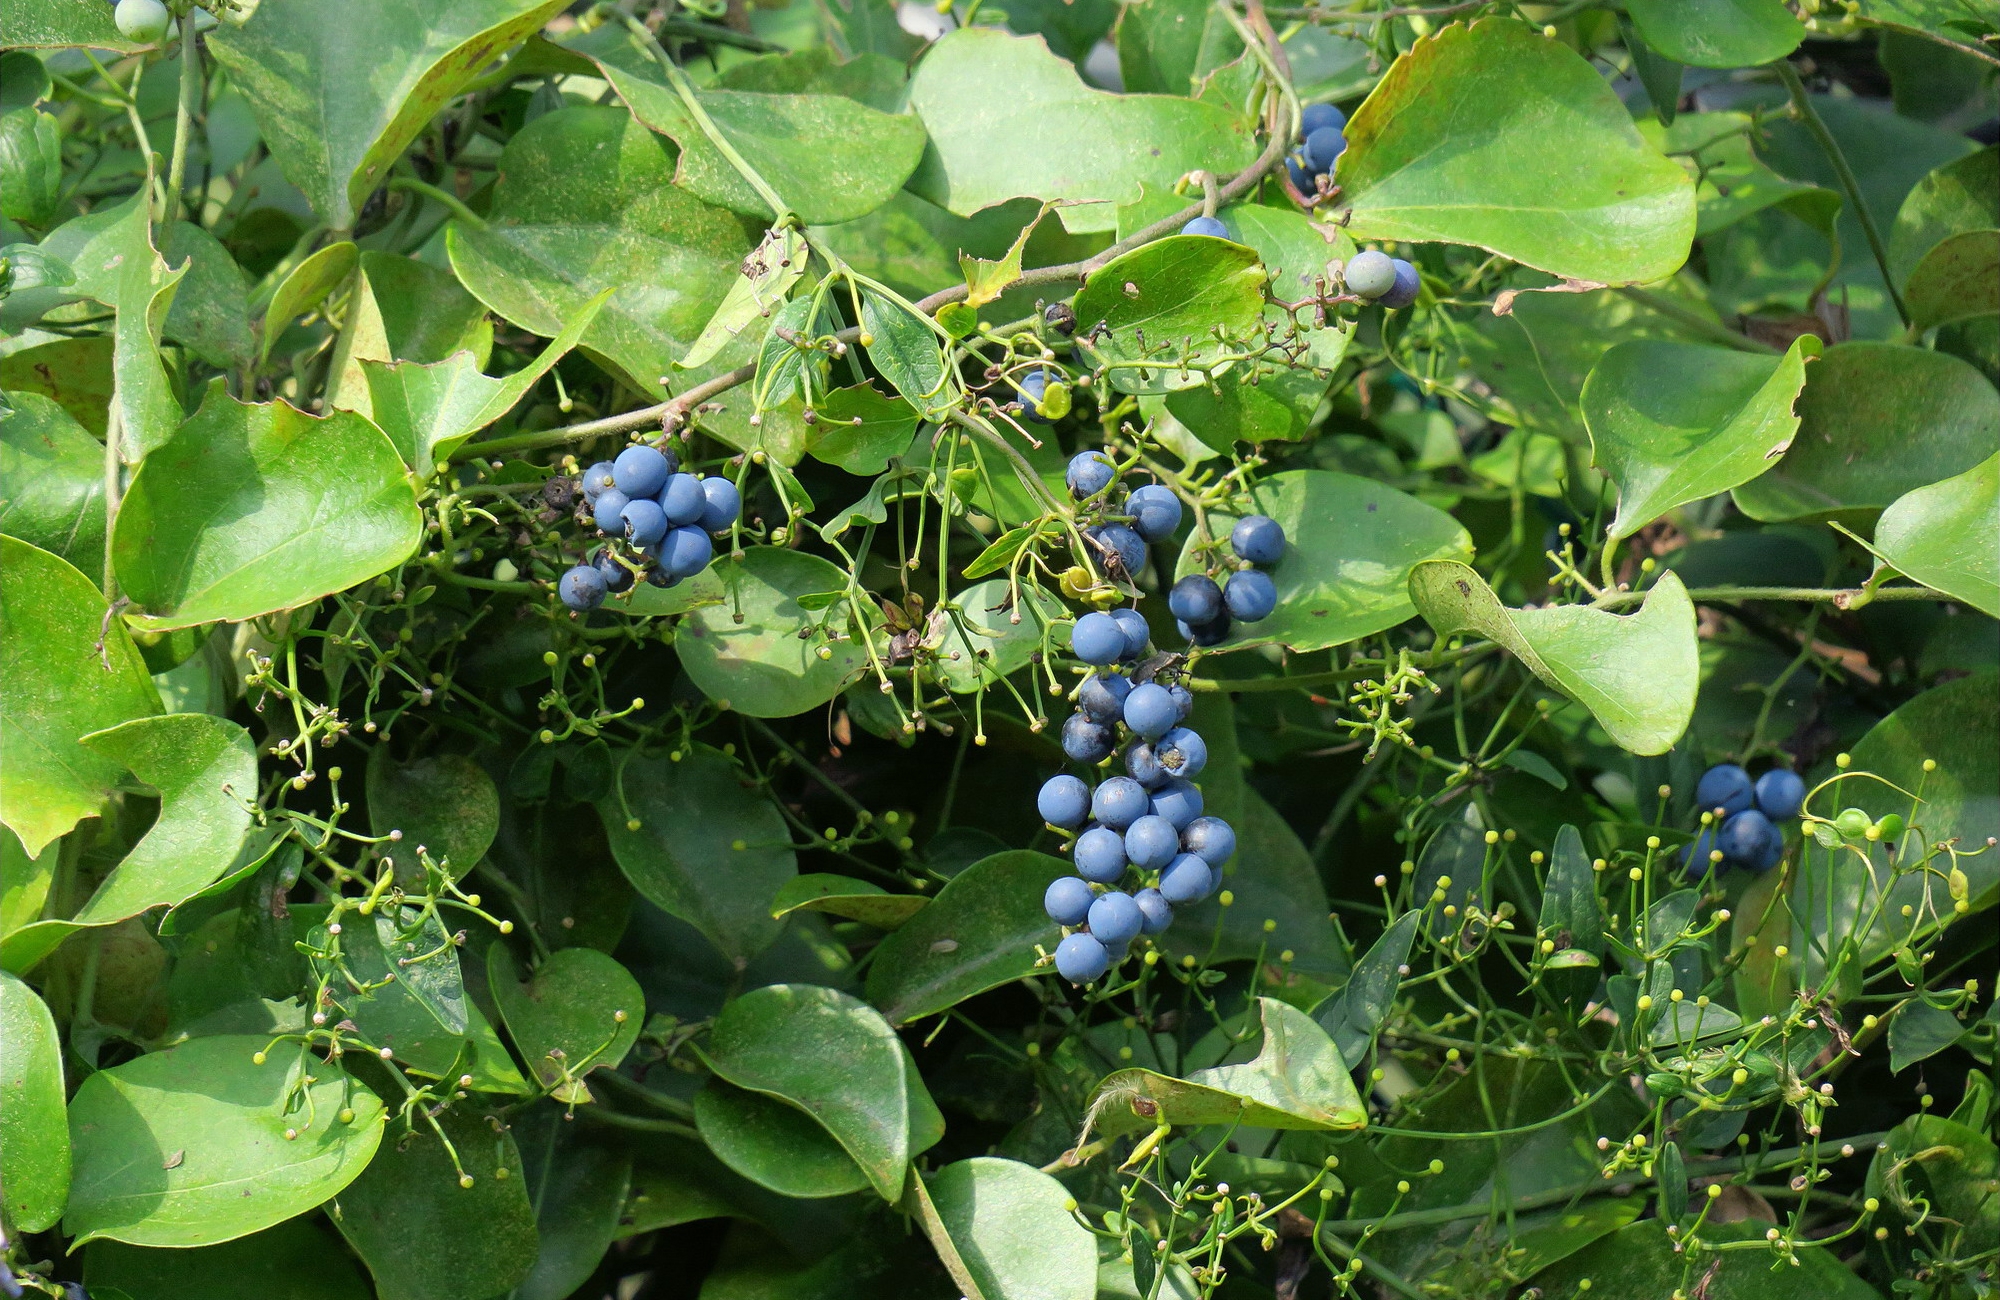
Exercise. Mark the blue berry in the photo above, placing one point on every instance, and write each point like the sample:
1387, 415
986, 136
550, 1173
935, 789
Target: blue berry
1099, 855
1115, 919
1195, 600
1211, 839
1144, 766
596, 479
1137, 634
1257, 538
1150, 711
1370, 274
1089, 473
1120, 550
1081, 959
1724, 786
1750, 840
1187, 879
1087, 742
1250, 595
1206, 226
683, 500
641, 471
1064, 801
1323, 149
685, 552
1183, 700
1213, 632
1302, 180
1154, 908
1696, 857
1317, 117
1120, 801
1067, 901
1178, 801
1182, 752
1155, 511
722, 503
1151, 843
1408, 282
645, 523
582, 588
616, 576
1780, 794
1032, 387
1097, 639
1102, 696
608, 510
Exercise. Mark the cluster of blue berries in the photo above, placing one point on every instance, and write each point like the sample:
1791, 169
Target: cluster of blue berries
1145, 828
1203, 611
1148, 514
1321, 142
665, 519
1744, 817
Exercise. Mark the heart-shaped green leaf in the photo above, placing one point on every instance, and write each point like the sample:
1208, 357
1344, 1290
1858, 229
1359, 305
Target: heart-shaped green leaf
860, 430
1350, 544
1876, 420
832, 1056
986, 98
1149, 316
579, 1011
1957, 197
54, 473
445, 803
1297, 1081
707, 849
1956, 280
300, 1259
758, 665
340, 91
1353, 1016
56, 686
1718, 33
257, 508
1637, 673
586, 202
1496, 136
34, 1134
980, 932
773, 1143
1011, 1231
1672, 423
200, 1144
1947, 536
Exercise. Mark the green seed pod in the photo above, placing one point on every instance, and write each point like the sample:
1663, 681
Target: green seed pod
1853, 823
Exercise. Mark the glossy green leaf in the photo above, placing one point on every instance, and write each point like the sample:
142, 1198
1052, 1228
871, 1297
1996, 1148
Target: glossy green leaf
1919, 1032
445, 803
49, 24
1876, 420
56, 686
684, 855
577, 1182
34, 1135
341, 91
907, 350
1960, 196
426, 1237
1350, 545
979, 639
759, 666
857, 900
257, 508
1149, 313
1718, 33
1731, 181
75, 373
190, 1146
767, 276
1278, 407
1496, 136
1934, 1168
1672, 423
1012, 1232
1571, 915
1946, 535
1636, 673
1297, 1081
1353, 1016
586, 202
54, 473
1166, 46
1957, 279
828, 157
578, 1011
861, 431
985, 97
835, 1058
980, 932
299, 1259
305, 287
211, 311
31, 166
774, 1144
1640, 1259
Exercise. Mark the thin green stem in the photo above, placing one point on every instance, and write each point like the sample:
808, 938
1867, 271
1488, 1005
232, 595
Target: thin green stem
1842, 597
183, 119
450, 201
692, 102
1694, 322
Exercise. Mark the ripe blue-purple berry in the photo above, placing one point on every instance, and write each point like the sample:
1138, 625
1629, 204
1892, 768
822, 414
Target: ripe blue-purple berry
1726, 787
683, 500
1250, 595
1087, 742
1088, 474
1155, 511
1097, 639
645, 523
1081, 959
1259, 539
582, 588
1150, 711
1187, 879
1067, 901
608, 511
721, 504
1115, 919
1063, 801
1099, 855
1154, 908
1120, 801
1780, 794
1178, 801
1211, 839
1206, 226
1102, 696
641, 471
1137, 634
1408, 283
1151, 842
1182, 752
1195, 600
